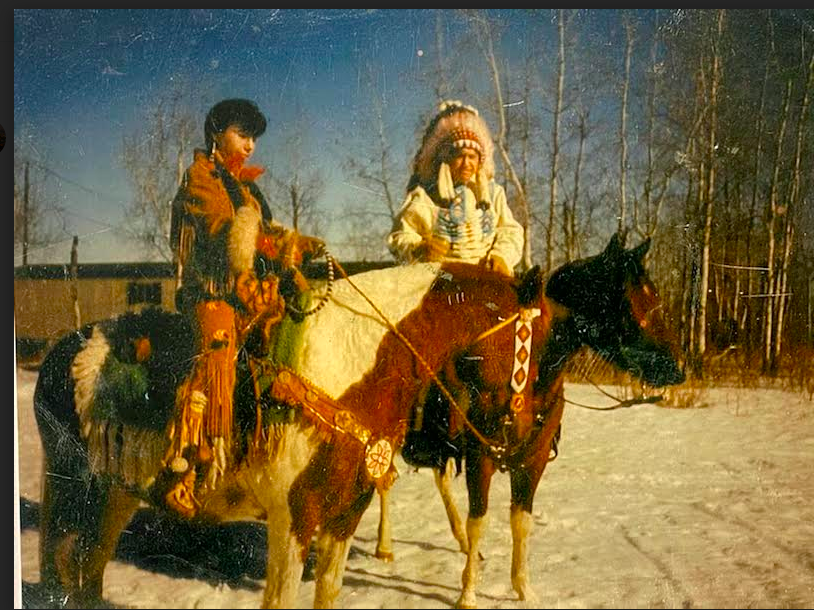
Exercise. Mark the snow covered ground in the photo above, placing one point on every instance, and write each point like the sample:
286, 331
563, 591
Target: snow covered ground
647, 507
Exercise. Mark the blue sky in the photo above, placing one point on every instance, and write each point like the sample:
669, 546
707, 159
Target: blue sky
83, 78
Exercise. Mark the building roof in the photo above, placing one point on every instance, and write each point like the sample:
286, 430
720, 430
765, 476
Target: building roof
147, 271
159, 271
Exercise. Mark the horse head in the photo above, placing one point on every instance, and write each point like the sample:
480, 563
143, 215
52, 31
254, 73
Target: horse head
613, 308
513, 371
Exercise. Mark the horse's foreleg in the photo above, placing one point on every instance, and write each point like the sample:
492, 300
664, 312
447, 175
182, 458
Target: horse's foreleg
284, 565
384, 546
521, 521
524, 481
332, 555
471, 574
443, 482
479, 471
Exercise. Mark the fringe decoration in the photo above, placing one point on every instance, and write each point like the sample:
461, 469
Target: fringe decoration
483, 192
217, 469
192, 404
85, 370
135, 455
218, 370
186, 242
446, 188
278, 441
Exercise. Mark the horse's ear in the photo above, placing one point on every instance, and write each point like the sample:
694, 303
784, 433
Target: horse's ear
530, 289
639, 251
615, 246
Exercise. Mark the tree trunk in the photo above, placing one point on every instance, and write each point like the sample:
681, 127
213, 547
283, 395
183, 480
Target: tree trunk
791, 206
774, 212
572, 243
709, 193
489, 51
623, 128
555, 143
750, 305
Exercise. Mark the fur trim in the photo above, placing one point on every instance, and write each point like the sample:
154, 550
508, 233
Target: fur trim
132, 453
85, 370
446, 188
242, 242
483, 192
455, 125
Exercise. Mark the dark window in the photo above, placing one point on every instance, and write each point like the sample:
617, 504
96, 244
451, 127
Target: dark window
144, 293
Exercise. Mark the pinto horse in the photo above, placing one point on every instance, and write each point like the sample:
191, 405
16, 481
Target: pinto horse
349, 375
607, 303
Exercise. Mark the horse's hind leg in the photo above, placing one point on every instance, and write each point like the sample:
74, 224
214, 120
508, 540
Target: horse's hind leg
78, 536
59, 530
332, 555
80, 525
479, 471
443, 482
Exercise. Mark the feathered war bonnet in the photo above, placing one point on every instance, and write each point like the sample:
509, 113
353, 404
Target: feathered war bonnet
455, 126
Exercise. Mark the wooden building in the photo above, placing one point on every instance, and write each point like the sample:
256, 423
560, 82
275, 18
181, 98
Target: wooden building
44, 295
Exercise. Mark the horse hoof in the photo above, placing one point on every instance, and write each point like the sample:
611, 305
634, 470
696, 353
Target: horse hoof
384, 556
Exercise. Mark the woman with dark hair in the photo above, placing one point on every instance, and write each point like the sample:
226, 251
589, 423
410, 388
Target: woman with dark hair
225, 243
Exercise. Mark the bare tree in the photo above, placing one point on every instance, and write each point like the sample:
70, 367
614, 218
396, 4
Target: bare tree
709, 181
774, 213
34, 219
661, 166
372, 170
779, 289
555, 141
154, 158
629, 38
296, 182
485, 39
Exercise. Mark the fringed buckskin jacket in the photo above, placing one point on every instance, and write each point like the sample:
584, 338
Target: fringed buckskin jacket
220, 221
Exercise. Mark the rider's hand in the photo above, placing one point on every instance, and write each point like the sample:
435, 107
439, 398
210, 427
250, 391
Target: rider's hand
310, 247
431, 249
246, 288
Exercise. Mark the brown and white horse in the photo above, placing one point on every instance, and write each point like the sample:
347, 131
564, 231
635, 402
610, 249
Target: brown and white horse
607, 303
105, 397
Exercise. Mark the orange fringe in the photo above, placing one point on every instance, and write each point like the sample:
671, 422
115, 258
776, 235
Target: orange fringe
218, 369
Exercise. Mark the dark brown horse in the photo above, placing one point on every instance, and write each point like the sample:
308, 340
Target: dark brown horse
607, 303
